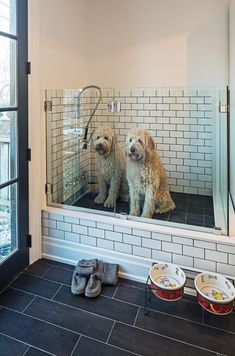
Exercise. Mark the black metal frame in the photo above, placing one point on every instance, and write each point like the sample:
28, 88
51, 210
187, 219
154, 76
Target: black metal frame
228, 156
19, 259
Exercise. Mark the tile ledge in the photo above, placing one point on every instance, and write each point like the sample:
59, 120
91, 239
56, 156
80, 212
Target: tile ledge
162, 229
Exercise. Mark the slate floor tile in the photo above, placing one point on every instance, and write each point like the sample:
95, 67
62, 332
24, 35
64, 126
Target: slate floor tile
59, 275
182, 308
15, 299
185, 203
58, 264
108, 291
36, 285
187, 331
149, 344
131, 283
87, 346
73, 319
103, 306
194, 219
37, 333
226, 322
38, 268
11, 347
35, 352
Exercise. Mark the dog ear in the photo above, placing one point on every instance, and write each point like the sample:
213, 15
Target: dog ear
150, 145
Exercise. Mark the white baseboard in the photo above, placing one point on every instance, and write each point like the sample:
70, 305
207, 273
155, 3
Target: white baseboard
130, 267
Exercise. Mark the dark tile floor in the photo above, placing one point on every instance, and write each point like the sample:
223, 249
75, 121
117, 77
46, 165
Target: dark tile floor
39, 316
190, 209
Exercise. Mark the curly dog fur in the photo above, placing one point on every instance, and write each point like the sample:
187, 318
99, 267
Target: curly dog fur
111, 165
146, 175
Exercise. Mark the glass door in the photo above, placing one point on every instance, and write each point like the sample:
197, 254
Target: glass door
13, 139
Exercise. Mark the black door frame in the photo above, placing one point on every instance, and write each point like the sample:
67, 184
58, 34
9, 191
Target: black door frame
19, 259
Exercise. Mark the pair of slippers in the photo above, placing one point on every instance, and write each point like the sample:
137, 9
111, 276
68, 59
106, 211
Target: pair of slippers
89, 275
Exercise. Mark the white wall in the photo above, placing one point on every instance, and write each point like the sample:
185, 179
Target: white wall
232, 109
56, 52
157, 43
118, 43
62, 43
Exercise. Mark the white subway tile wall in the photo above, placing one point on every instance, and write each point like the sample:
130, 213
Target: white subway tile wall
179, 119
188, 252
68, 165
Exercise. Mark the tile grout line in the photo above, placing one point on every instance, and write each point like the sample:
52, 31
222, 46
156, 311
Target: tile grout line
31, 301
25, 343
42, 276
114, 295
9, 285
52, 298
120, 322
137, 314
109, 335
128, 303
80, 335
75, 345
26, 350
116, 347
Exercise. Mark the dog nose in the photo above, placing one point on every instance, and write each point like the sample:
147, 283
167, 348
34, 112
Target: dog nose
99, 145
132, 149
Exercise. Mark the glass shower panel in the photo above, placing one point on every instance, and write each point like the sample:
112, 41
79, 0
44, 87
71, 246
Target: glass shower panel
221, 143
72, 164
64, 133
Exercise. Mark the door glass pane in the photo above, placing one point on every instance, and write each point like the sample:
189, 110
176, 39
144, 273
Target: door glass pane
8, 221
7, 72
8, 16
8, 145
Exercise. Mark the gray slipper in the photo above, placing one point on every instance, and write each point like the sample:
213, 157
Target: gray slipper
93, 288
107, 273
78, 284
86, 267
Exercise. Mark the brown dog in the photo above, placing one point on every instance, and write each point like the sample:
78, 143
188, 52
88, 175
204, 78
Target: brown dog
146, 175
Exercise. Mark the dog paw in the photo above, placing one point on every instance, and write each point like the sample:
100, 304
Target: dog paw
109, 203
100, 199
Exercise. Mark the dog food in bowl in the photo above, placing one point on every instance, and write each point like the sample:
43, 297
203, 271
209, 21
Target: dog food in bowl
215, 293
167, 281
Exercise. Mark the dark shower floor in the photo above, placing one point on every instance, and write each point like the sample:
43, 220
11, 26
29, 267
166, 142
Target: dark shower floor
190, 209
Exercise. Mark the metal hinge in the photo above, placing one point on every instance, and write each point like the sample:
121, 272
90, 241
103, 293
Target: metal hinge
47, 105
114, 106
217, 230
224, 108
28, 68
28, 154
48, 188
29, 240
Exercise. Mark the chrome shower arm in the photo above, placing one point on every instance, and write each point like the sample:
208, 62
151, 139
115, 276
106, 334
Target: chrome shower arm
94, 110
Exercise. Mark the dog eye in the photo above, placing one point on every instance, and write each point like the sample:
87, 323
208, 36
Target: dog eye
106, 137
98, 137
130, 140
140, 141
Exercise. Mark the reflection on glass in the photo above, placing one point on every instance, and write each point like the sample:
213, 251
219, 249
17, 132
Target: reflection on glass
8, 146
7, 72
8, 16
8, 214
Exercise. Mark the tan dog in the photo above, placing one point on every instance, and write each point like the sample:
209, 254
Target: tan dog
111, 164
146, 176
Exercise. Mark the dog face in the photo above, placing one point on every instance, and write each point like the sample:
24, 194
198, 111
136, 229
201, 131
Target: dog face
139, 145
103, 141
